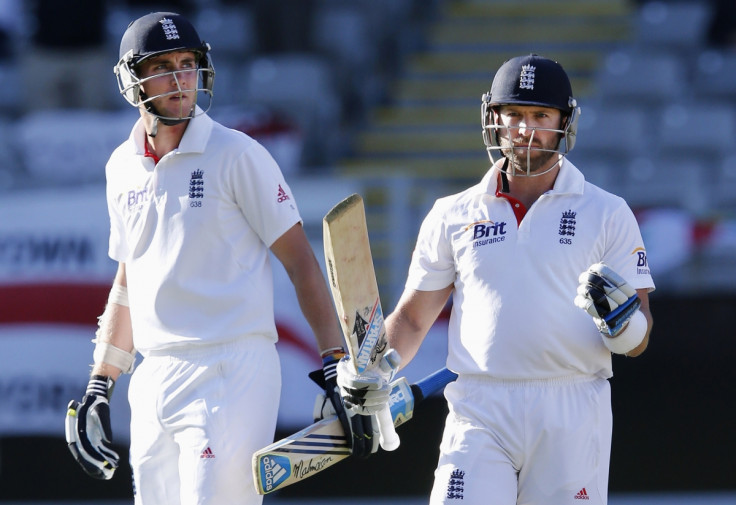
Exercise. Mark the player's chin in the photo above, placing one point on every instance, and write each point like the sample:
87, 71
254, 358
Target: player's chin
521, 167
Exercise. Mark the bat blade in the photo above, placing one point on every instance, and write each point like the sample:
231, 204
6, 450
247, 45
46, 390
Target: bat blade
355, 292
353, 283
321, 445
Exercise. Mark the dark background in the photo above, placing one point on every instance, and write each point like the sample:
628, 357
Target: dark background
673, 407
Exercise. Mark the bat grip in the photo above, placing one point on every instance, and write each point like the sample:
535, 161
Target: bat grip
388, 437
435, 382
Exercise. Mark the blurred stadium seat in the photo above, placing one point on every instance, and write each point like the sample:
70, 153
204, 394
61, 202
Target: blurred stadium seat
714, 76
301, 86
229, 29
665, 182
612, 130
724, 190
695, 128
678, 26
343, 34
10, 88
632, 76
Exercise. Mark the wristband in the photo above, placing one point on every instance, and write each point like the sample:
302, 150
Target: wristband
100, 385
330, 358
332, 351
630, 337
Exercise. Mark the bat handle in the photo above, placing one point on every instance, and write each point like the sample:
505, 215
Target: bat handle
388, 437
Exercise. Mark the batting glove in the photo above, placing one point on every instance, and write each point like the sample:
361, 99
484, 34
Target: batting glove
608, 298
88, 432
360, 431
367, 393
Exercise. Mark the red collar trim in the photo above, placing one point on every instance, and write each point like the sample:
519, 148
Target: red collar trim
148, 154
516, 205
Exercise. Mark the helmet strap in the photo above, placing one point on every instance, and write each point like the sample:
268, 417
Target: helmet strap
504, 177
154, 128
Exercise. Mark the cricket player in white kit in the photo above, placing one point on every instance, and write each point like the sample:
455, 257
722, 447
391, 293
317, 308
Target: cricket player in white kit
521, 253
194, 210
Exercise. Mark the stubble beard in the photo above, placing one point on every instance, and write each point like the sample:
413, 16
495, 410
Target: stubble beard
538, 160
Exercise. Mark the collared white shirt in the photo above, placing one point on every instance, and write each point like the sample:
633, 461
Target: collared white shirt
513, 313
194, 231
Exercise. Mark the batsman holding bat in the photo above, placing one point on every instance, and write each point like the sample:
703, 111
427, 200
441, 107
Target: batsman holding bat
194, 210
521, 253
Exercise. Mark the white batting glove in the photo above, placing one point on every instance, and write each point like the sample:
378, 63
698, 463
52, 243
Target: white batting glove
367, 393
608, 298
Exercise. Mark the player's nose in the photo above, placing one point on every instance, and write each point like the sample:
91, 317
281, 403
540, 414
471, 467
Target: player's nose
178, 78
523, 128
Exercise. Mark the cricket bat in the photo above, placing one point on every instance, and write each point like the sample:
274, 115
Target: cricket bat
321, 445
352, 281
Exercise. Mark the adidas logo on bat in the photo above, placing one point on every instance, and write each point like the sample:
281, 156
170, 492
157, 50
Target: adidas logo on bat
274, 470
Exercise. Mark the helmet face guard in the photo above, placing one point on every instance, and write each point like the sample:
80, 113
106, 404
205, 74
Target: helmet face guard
530, 81
154, 34
130, 86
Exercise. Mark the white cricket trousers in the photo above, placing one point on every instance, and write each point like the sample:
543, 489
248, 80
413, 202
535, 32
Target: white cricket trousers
197, 416
533, 442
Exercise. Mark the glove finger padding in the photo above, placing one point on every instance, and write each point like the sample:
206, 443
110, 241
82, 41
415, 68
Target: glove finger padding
367, 402
607, 297
602, 290
89, 436
364, 394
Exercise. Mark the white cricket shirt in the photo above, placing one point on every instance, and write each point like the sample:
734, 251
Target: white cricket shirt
194, 231
513, 314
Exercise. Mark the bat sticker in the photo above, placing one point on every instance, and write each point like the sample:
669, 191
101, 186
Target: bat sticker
369, 337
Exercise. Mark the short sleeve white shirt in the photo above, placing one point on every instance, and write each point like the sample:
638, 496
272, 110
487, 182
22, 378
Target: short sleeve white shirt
194, 231
513, 314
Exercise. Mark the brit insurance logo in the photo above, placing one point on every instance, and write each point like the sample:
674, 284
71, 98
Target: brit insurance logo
642, 267
487, 232
136, 198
